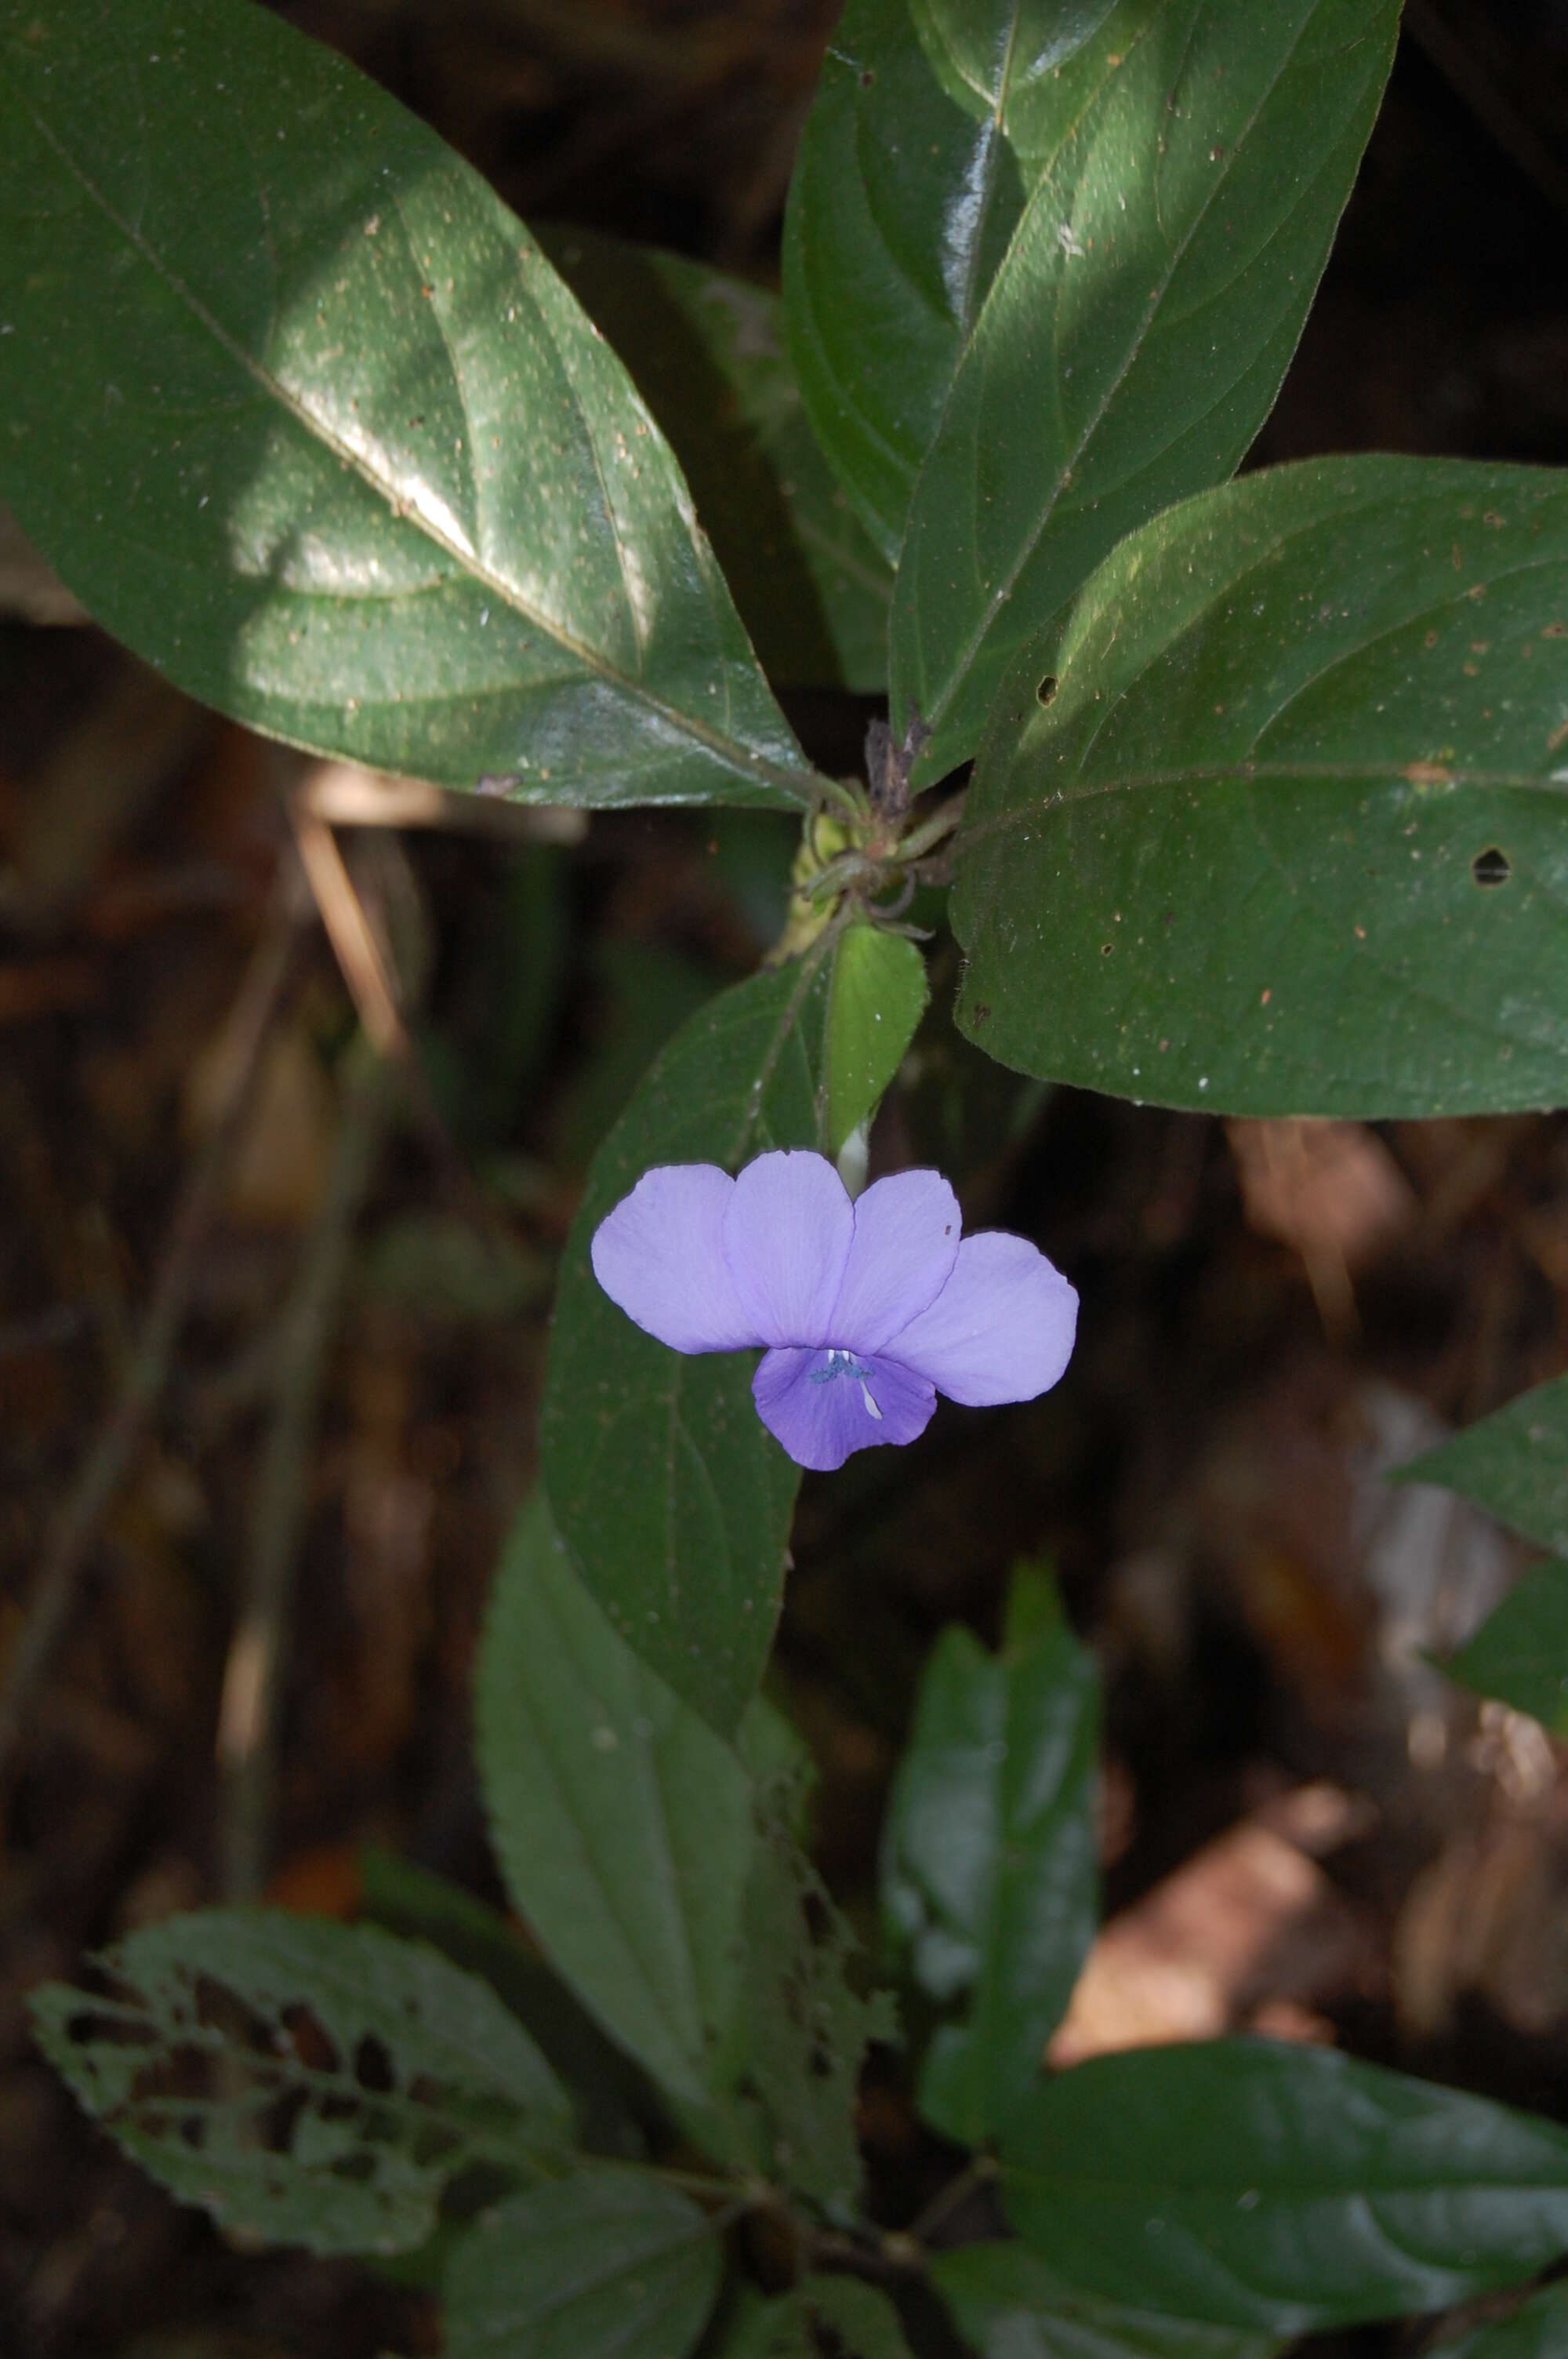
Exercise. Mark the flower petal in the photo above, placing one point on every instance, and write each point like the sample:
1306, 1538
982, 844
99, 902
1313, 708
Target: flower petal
901, 1256
786, 1236
660, 1254
821, 1416
1000, 1330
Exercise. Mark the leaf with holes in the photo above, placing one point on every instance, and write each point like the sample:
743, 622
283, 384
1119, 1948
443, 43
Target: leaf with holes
604, 2265
1231, 830
802, 2029
623, 1824
707, 352
989, 1855
303, 415
1009, 2305
306, 2083
674, 1499
1277, 2189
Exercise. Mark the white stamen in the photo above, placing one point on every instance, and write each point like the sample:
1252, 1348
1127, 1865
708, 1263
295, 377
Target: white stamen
866, 1396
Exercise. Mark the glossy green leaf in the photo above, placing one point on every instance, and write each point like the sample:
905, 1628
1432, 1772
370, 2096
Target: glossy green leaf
674, 1498
931, 122
707, 352
302, 414
1538, 2330
601, 2265
1514, 1464
1520, 1653
308, 2082
1136, 334
1279, 2188
623, 1826
879, 997
1273, 822
1009, 2305
1045, 268
989, 1860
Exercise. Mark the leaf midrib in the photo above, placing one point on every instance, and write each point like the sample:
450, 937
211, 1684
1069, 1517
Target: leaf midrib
734, 755
1244, 771
964, 654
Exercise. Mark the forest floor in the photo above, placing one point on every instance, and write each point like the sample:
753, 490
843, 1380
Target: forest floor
258, 1372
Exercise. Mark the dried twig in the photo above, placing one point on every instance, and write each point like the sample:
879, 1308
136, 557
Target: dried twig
247, 1723
104, 1469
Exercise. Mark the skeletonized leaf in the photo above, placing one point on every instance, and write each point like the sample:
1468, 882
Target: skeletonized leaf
310, 2082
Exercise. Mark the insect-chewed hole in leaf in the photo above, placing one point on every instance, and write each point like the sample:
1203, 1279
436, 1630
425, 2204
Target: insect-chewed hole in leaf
1045, 692
191, 2130
86, 2030
1492, 866
238, 2025
314, 2046
373, 2066
433, 2141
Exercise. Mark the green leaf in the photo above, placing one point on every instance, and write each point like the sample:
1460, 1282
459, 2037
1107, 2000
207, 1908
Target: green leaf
860, 2322
1137, 333
926, 133
802, 2031
879, 997
859, 2319
673, 1497
1538, 2330
1520, 1653
601, 2265
1011, 2305
304, 2082
304, 416
1279, 2188
989, 1858
1233, 831
1045, 269
623, 1826
1514, 1464
614, 2104
707, 352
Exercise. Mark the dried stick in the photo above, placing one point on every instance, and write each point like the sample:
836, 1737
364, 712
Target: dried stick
104, 1469
247, 1721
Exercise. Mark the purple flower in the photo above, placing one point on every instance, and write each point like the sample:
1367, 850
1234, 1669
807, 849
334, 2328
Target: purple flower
866, 1310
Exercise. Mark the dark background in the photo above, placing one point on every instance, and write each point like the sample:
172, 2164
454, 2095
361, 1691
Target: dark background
1305, 1829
